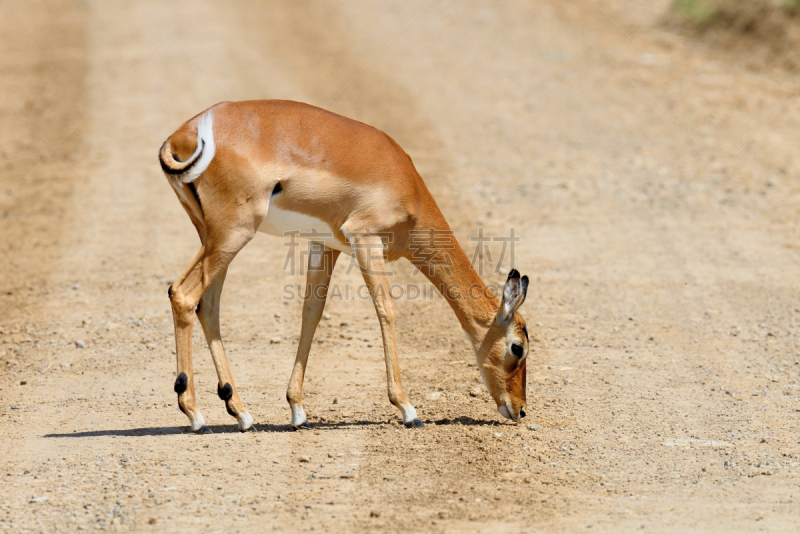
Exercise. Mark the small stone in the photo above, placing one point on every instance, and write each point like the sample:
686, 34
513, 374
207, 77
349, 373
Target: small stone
130, 412
374, 513
276, 339
463, 497
436, 395
38, 499
23, 382
80, 344
304, 459
497, 434
475, 392
151, 346
76, 286
277, 315
14, 407
152, 521
534, 427
567, 381
344, 323
326, 316
349, 474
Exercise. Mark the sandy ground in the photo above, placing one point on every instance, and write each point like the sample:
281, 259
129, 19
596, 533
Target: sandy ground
652, 183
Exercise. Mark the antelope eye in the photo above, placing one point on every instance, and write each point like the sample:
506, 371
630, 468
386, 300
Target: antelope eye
517, 350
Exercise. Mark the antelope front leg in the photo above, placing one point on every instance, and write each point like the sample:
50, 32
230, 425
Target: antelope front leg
321, 261
208, 314
369, 253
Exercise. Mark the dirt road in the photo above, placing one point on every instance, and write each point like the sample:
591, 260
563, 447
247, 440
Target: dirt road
653, 185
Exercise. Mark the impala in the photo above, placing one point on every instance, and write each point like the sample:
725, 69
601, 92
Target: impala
279, 166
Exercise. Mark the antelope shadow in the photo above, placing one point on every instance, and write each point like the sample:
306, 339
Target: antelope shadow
234, 429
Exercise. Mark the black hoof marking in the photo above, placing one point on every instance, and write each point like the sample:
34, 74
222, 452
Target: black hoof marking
302, 426
416, 423
203, 430
181, 383
225, 392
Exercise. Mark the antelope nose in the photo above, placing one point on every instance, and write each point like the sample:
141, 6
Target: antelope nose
522, 413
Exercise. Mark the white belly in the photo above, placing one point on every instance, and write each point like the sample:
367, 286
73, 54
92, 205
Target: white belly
281, 222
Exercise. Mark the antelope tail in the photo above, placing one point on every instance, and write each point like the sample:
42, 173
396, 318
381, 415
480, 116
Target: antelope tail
187, 171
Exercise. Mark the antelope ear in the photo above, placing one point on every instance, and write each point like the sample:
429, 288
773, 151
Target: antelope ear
514, 293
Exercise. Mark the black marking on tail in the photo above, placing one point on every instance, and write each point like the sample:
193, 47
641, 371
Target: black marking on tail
169, 170
181, 383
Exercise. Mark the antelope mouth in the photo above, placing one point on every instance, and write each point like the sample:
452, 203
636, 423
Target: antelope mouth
508, 414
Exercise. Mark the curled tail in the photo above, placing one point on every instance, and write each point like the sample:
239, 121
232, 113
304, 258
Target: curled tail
187, 171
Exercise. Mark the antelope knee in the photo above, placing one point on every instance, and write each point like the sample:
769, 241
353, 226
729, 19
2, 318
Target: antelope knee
183, 307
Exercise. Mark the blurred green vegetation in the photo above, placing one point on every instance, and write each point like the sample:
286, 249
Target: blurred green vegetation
700, 12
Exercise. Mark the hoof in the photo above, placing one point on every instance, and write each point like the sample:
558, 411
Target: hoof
302, 426
251, 428
203, 430
416, 423
245, 422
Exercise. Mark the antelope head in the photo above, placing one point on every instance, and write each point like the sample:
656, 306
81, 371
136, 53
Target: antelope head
503, 352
